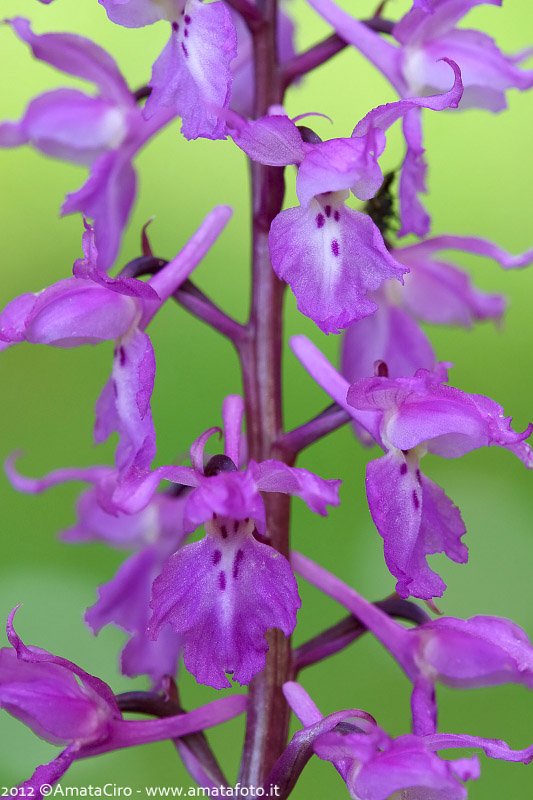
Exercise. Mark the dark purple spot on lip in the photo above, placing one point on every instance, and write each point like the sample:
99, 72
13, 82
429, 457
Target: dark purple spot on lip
185, 51
403, 468
224, 531
185, 32
419, 476
175, 27
236, 525
186, 19
236, 563
416, 501
217, 555
320, 221
122, 356
222, 580
327, 210
335, 247
115, 389
336, 216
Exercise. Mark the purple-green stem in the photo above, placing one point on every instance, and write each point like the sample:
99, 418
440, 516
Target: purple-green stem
267, 719
193, 748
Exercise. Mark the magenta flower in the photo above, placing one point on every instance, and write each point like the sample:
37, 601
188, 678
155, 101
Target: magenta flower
476, 652
439, 292
331, 255
426, 35
223, 593
42, 691
381, 766
409, 417
193, 72
375, 766
434, 291
91, 309
103, 133
63, 704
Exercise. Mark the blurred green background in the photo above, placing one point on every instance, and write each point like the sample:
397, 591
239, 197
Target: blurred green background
480, 178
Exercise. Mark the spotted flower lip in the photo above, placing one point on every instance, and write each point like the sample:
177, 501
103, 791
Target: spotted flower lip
409, 417
193, 71
223, 593
233, 585
330, 255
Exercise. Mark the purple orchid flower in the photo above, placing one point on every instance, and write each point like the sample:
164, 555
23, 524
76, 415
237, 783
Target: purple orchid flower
329, 254
103, 133
433, 291
426, 34
154, 534
93, 308
63, 704
223, 593
375, 766
409, 417
476, 652
193, 72
381, 766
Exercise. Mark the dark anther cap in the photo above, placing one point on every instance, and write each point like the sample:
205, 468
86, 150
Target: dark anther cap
219, 463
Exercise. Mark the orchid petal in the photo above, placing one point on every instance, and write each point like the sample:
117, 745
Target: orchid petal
275, 476
193, 71
330, 261
77, 56
223, 604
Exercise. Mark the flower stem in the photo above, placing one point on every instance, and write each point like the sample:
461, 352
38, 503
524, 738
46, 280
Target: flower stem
196, 743
305, 62
268, 713
290, 444
339, 636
